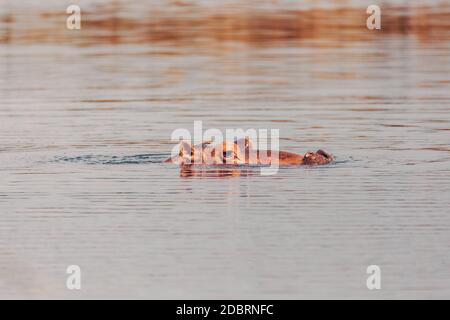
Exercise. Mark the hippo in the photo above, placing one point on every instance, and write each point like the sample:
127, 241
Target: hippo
241, 152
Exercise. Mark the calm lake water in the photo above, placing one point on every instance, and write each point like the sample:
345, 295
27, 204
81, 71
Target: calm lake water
86, 120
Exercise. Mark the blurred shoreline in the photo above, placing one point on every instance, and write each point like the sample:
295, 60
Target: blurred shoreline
191, 24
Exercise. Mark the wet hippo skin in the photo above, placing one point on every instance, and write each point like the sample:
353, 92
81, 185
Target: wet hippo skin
241, 152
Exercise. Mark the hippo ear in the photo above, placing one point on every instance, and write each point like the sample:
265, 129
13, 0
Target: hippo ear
244, 150
186, 149
206, 143
244, 143
248, 143
240, 146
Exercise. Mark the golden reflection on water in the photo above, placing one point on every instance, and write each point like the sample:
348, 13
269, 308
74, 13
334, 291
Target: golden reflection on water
194, 25
193, 171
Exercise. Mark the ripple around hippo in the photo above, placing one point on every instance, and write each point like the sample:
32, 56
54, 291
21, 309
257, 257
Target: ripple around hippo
158, 158
115, 160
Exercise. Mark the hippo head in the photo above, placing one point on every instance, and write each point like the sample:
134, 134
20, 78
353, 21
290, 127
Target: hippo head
316, 158
227, 152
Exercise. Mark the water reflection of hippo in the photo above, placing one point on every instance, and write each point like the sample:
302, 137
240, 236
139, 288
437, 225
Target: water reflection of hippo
241, 152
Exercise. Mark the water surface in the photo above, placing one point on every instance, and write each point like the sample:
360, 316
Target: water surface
86, 120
